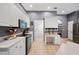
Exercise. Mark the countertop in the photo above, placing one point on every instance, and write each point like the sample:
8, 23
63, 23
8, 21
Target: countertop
9, 43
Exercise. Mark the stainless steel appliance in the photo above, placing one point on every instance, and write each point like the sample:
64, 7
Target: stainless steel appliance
76, 32
28, 43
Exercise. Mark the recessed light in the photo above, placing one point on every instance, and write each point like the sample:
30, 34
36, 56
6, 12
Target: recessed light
62, 11
48, 7
30, 6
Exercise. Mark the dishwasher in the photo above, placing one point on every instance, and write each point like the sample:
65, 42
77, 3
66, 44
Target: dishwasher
28, 43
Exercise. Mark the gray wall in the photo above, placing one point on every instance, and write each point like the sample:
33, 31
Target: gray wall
73, 17
38, 15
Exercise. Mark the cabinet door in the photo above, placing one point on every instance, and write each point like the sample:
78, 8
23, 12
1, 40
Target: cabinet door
18, 48
21, 47
9, 15
14, 50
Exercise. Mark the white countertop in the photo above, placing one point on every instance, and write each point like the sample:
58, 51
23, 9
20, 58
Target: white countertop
68, 48
8, 43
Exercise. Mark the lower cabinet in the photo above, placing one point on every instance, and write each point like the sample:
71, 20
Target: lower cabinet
16, 49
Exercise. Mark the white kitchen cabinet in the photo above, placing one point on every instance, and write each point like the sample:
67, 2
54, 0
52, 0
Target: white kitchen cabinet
22, 47
16, 48
10, 13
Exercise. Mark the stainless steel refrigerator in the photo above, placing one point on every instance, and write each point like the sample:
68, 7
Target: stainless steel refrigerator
76, 32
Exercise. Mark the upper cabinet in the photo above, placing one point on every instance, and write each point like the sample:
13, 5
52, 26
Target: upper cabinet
10, 14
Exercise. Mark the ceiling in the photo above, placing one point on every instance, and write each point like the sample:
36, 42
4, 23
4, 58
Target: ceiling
61, 8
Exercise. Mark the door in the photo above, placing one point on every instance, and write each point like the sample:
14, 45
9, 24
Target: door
70, 30
38, 29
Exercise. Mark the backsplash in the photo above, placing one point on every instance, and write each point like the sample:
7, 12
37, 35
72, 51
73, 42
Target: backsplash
3, 30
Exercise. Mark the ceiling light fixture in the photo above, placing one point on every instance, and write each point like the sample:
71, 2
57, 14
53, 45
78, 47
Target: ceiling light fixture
30, 6
63, 11
48, 7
